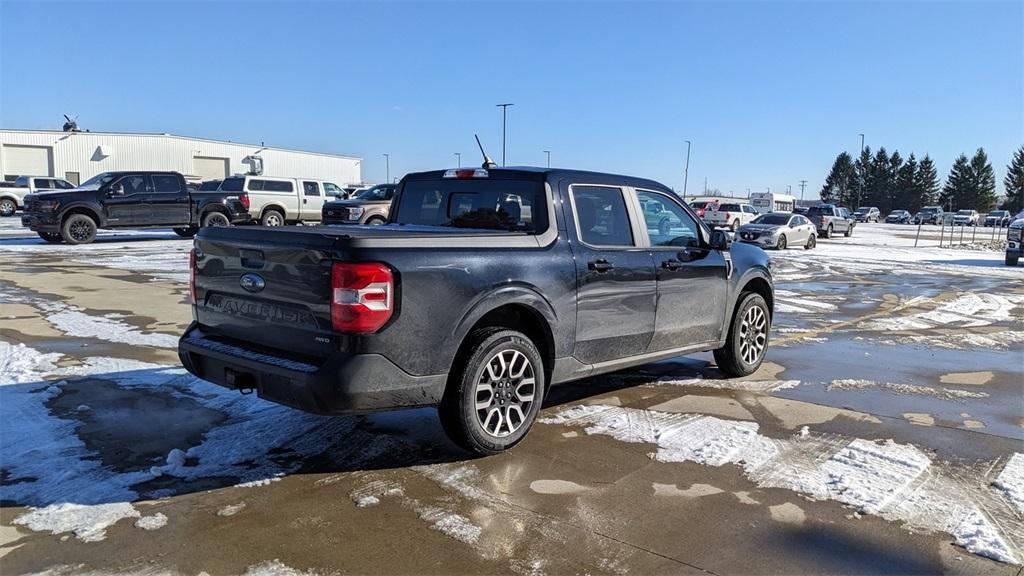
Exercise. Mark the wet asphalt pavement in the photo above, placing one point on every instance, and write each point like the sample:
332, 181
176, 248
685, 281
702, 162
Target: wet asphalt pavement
926, 352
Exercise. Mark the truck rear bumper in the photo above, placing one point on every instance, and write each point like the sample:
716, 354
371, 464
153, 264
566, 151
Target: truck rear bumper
344, 384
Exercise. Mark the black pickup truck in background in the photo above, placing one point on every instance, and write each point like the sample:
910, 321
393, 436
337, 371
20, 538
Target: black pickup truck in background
136, 199
484, 287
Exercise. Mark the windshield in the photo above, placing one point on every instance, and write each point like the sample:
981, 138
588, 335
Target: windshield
964, 212
928, 210
514, 205
772, 219
377, 193
863, 210
1000, 213
896, 213
97, 181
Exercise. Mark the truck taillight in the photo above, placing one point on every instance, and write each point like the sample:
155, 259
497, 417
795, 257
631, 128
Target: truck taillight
362, 296
192, 276
244, 199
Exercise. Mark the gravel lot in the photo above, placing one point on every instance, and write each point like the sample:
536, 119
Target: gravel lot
883, 435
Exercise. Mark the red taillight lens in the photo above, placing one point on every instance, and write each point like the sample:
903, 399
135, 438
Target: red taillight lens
244, 199
192, 276
362, 296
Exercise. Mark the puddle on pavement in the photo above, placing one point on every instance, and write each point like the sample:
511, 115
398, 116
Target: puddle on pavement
131, 429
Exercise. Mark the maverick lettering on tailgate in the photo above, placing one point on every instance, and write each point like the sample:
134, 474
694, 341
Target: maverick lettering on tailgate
262, 311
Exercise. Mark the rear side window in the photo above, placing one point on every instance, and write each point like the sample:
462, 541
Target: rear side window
271, 186
515, 205
310, 189
232, 184
166, 183
209, 185
729, 208
601, 215
43, 183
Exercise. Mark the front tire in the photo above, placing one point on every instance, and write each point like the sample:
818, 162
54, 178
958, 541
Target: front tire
7, 207
51, 237
1012, 259
664, 227
747, 341
494, 395
185, 232
375, 221
78, 229
781, 245
849, 232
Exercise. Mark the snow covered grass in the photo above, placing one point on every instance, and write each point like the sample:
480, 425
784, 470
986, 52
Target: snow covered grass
892, 480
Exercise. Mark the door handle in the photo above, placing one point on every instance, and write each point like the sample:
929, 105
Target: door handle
600, 266
672, 264
304, 201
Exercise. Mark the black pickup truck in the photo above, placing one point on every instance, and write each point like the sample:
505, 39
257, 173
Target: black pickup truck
137, 199
484, 287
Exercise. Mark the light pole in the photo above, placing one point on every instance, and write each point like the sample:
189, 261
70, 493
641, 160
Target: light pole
686, 171
387, 168
548, 152
458, 156
860, 179
504, 125
802, 184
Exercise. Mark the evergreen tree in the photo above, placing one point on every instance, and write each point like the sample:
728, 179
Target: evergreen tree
907, 197
959, 186
890, 191
983, 177
841, 183
862, 169
926, 185
879, 179
1014, 183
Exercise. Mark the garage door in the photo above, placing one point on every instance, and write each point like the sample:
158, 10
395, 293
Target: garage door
27, 161
209, 168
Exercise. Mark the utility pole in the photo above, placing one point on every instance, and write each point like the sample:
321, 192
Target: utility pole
458, 156
387, 168
860, 179
789, 189
705, 185
504, 125
803, 183
548, 152
686, 171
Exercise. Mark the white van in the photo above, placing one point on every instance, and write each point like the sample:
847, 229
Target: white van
277, 201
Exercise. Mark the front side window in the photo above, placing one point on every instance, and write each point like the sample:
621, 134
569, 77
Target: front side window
333, 190
601, 215
62, 184
164, 183
134, 184
668, 223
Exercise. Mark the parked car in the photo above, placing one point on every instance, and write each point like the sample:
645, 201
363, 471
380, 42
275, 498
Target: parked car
278, 201
998, 218
129, 200
867, 214
898, 217
12, 196
367, 207
703, 206
730, 215
830, 219
462, 304
1014, 241
966, 218
801, 210
779, 230
929, 215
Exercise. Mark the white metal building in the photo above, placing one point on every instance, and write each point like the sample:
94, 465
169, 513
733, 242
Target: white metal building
78, 156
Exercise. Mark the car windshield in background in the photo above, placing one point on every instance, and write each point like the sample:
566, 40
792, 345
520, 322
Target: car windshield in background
377, 193
862, 210
772, 219
964, 213
1000, 214
699, 205
729, 208
97, 181
818, 211
474, 203
896, 213
209, 186
928, 211
232, 184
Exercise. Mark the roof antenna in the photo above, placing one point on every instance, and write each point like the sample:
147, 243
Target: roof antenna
488, 163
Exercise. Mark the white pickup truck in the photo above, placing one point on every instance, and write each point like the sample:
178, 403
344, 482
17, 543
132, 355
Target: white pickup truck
278, 201
730, 215
11, 197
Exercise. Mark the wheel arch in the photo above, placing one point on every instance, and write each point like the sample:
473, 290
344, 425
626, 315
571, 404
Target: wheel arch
83, 209
759, 285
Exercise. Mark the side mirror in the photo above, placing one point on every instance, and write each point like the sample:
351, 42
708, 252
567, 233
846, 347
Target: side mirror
720, 240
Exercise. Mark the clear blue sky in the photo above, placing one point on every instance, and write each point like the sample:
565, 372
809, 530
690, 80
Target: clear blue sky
768, 92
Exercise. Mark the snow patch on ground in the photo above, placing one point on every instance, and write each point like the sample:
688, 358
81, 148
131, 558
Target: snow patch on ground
154, 522
74, 322
741, 385
1011, 481
912, 389
454, 525
89, 523
19, 364
967, 310
898, 482
274, 568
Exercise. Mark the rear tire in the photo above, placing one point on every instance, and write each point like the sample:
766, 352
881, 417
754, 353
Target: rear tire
494, 393
735, 224
51, 237
272, 218
812, 241
215, 219
7, 207
828, 231
78, 229
664, 227
747, 341
186, 232
1012, 259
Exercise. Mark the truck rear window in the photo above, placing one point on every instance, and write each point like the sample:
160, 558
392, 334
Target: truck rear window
515, 205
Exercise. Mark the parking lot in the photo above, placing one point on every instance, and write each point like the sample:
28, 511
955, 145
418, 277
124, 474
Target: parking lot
883, 435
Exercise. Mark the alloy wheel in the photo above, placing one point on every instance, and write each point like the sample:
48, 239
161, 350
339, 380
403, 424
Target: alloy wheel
505, 393
753, 334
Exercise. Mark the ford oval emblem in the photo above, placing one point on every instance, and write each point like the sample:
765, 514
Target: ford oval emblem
252, 282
